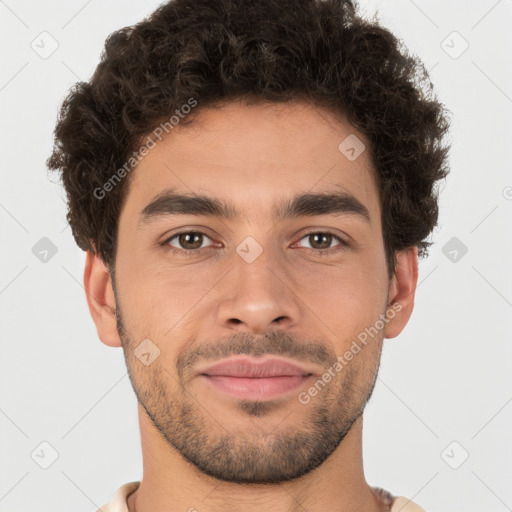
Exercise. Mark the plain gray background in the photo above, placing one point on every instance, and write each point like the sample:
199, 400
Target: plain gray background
445, 386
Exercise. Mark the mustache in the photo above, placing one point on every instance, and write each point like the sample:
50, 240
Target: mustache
275, 343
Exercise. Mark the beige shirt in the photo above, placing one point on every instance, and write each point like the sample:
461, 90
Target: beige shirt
396, 503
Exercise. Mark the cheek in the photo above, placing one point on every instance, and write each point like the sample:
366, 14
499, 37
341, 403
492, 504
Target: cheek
346, 295
165, 302
347, 299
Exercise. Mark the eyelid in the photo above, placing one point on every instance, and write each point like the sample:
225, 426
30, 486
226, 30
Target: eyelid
341, 240
186, 231
189, 229
343, 244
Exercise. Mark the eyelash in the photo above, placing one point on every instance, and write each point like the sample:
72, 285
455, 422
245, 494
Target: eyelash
193, 252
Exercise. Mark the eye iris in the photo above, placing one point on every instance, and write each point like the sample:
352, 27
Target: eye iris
185, 238
323, 237
194, 240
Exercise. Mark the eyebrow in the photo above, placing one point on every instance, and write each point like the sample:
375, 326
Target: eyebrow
170, 202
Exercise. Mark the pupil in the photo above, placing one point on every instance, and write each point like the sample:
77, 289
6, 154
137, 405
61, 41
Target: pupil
325, 238
185, 239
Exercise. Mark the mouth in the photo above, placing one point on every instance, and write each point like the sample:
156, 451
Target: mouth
261, 378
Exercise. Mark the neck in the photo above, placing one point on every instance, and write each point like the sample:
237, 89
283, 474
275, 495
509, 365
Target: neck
169, 480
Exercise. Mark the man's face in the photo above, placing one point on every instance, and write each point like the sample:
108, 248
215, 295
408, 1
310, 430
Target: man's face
253, 284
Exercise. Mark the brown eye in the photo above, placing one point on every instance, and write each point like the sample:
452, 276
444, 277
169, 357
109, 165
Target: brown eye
187, 241
322, 242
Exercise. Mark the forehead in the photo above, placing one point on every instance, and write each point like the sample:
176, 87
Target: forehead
253, 154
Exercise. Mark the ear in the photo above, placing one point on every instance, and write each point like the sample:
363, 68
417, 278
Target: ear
402, 290
101, 299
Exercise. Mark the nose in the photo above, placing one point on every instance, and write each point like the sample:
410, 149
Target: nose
257, 297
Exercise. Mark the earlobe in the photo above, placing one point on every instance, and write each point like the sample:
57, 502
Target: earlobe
101, 299
402, 290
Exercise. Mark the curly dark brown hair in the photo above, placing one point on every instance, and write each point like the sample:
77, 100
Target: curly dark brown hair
214, 51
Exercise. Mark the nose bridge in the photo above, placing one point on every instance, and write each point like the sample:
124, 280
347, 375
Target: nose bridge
257, 293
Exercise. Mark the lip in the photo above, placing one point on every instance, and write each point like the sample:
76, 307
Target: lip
261, 378
260, 367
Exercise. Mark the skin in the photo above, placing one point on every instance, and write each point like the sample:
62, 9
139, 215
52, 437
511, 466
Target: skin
202, 448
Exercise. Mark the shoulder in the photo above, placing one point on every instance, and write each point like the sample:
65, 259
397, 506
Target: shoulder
405, 505
118, 501
395, 503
